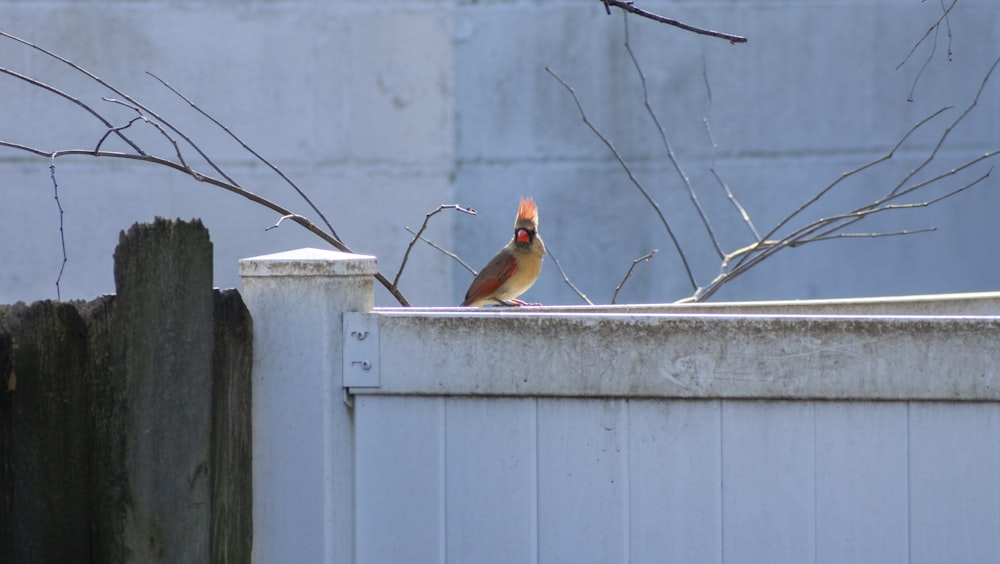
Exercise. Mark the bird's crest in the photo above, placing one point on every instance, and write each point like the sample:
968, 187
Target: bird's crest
527, 212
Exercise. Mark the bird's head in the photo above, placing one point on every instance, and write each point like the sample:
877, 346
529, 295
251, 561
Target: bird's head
526, 224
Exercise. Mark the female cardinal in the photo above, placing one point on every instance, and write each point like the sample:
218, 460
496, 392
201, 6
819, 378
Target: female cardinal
515, 268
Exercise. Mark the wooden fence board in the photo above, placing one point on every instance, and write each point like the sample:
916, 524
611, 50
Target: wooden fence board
163, 274
44, 510
232, 497
108, 486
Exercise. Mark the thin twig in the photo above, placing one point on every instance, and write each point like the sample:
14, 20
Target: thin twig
158, 127
277, 224
935, 28
844, 176
837, 223
736, 204
62, 233
566, 279
631, 8
711, 140
630, 174
256, 155
947, 131
824, 228
105, 84
666, 143
427, 218
100, 142
643, 258
444, 251
228, 183
866, 235
758, 252
110, 127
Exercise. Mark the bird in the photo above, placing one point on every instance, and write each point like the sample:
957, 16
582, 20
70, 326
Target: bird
514, 268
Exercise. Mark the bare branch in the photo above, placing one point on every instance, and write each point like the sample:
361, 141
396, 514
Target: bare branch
736, 204
256, 155
631, 8
77, 101
711, 140
100, 142
825, 228
807, 234
277, 224
566, 278
406, 255
631, 175
286, 214
158, 127
947, 131
757, 252
125, 96
444, 251
145, 113
866, 235
643, 258
845, 176
935, 28
667, 145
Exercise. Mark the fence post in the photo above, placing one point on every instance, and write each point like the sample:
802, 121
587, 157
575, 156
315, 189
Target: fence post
302, 429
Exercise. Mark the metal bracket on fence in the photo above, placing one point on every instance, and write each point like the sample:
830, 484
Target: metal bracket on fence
361, 350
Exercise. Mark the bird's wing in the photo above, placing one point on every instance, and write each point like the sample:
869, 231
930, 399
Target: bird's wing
491, 277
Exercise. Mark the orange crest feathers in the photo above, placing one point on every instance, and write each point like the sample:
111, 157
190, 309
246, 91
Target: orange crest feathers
527, 211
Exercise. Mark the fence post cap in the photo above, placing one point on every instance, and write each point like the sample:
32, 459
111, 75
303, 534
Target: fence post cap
309, 262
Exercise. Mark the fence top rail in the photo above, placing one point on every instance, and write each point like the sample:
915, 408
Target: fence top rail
967, 303
789, 356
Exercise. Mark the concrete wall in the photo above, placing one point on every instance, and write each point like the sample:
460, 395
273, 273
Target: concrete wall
382, 111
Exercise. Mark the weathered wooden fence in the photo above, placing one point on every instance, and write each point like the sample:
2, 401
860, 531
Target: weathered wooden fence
125, 421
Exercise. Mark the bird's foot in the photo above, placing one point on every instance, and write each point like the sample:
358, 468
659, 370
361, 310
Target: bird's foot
515, 303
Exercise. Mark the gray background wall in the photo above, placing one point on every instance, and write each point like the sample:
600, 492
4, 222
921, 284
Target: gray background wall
382, 111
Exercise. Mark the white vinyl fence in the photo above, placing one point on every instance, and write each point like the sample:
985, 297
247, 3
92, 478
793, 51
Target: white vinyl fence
857, 431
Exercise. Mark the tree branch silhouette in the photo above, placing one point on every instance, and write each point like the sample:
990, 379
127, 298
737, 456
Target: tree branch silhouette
417, 235
630, 7
932, 31
737, 262
165, 128
631, 176
644, 258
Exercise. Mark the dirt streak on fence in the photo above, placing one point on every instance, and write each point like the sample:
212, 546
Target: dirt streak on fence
125, 421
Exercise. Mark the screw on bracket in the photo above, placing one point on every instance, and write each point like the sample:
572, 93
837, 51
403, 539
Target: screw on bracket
364, 364
359, 335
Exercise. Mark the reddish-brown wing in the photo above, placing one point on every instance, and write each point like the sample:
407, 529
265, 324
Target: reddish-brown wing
491, 277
